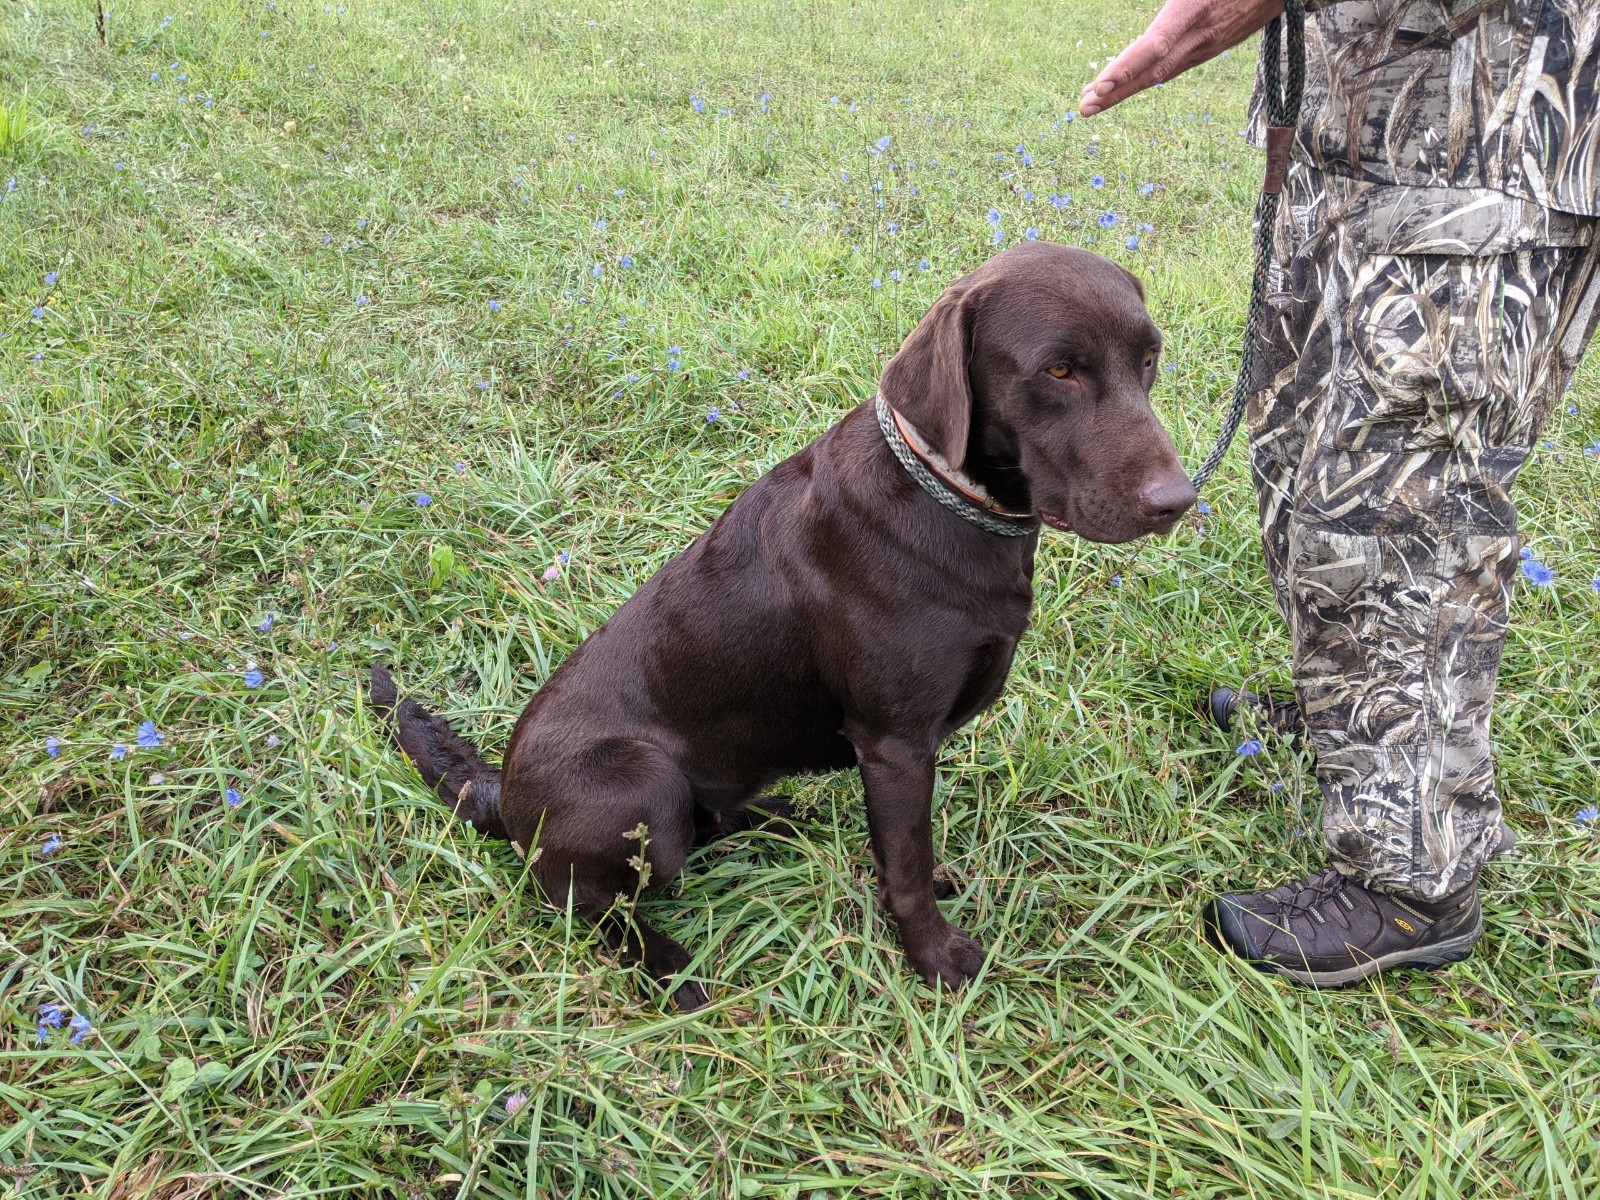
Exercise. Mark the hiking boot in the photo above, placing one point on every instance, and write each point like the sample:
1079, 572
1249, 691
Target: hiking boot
1281, 713
1327, 930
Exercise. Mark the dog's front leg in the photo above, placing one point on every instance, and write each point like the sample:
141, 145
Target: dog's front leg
898, 778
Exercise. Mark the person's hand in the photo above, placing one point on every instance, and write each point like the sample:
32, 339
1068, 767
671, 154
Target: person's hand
1184, 34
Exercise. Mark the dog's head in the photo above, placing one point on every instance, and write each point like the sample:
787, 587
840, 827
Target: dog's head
1033, 374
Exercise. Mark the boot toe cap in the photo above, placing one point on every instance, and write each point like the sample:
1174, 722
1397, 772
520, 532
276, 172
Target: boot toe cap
1229, 923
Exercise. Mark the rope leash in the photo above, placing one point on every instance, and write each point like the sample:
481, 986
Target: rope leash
1283, 111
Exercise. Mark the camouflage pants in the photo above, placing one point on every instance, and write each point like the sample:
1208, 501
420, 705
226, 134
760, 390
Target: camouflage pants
1418, 340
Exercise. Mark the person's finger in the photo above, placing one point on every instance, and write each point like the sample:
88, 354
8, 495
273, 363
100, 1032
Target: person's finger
1148, 59
1137, 68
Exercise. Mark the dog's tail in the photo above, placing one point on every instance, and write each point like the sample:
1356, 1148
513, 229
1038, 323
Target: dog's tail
443, 758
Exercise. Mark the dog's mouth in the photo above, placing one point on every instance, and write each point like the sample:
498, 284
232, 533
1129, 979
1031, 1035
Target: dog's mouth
1111, 535
1054, 521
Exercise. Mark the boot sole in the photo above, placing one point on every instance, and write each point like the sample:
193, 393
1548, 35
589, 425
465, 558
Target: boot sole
1443, 954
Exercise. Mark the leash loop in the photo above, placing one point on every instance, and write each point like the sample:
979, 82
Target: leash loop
1283, 112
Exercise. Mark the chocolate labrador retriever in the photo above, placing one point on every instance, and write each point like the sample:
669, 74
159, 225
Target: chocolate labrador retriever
854, 607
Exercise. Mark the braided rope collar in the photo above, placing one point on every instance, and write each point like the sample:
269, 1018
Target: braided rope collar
961, 495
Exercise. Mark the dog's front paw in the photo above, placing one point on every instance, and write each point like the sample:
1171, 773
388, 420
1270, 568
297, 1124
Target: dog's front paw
950, 957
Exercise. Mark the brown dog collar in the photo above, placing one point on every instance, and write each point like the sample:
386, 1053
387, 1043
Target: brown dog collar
957, 491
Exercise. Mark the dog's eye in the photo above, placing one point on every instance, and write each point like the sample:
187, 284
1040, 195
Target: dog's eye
1149, 359
1059, 371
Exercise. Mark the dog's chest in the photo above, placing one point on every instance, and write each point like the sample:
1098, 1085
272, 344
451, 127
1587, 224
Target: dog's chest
982, 679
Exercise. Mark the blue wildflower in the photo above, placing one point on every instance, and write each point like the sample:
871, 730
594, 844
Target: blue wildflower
1133, 242
625, 261
51, 1016
1116, 581
52, 746
877, 283
1587, 816
697, 104
994, 216
563, 557
423, 499
361, 300
1203, 509
233, 798
1107, 220
1595, 583
897, 274
253, 678
880, 145
1525, 553
1031, 234
494, 306
1060, 201
1249, 749
51, 845
597, 270
1097, 181
1537, 573
266, 624
1146, 188
713, 415
51, 277
80, 1027
149, 738
37, 313
924, 265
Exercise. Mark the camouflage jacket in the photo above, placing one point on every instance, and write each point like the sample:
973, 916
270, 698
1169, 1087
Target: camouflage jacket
1498, 97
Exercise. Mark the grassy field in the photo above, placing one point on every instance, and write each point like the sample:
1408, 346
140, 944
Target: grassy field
324, 331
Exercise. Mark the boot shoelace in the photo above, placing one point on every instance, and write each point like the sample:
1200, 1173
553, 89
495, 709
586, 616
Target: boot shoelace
1318, 890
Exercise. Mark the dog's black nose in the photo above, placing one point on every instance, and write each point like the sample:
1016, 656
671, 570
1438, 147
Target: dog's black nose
1167, 499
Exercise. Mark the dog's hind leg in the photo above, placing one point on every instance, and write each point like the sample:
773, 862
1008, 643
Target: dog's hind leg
623, 823
663, 958
771, 814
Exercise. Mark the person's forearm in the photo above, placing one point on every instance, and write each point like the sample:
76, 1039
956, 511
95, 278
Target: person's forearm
1184, 34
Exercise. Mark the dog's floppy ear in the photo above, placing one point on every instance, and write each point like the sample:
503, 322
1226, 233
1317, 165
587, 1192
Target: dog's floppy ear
926, 382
